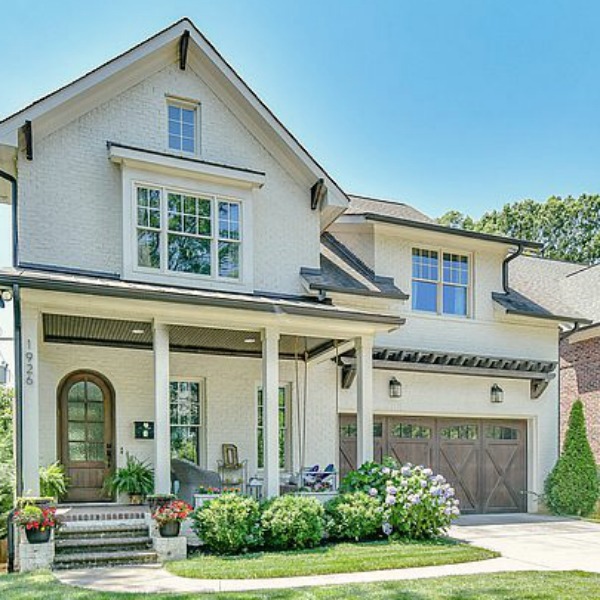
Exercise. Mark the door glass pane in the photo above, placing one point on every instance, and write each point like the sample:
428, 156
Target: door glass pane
95, 432
94, 393
76, 411
76, 432
95, 452
77, 392
378, 429
77, 451
95, 411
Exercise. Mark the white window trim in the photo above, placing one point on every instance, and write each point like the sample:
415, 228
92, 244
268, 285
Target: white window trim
289, 459
132, 178
189, 105
203, 429
440, 283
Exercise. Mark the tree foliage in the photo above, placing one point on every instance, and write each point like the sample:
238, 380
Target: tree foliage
7, 469
572, 486
568, 227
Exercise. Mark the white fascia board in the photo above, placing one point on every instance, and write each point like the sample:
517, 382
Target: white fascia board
186, 168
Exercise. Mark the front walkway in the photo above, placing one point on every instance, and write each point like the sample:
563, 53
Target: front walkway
527, 543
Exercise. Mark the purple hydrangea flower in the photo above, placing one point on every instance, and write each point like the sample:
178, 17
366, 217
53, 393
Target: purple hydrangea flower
406, 471
385, 470
390, 500
392, 490
373, 492
387, 529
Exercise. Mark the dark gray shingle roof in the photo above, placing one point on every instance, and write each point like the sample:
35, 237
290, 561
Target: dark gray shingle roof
361, 205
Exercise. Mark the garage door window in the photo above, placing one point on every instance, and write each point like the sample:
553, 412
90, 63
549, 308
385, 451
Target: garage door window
459, 432
410, 431
499, 432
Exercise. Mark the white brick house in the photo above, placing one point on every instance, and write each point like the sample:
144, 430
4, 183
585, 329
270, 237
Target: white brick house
177, 251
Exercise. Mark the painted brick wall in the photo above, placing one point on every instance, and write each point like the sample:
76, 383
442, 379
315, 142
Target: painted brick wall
70, 194
580, 379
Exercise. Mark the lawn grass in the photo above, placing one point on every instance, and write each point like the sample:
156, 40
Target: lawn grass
334, 558
536, 585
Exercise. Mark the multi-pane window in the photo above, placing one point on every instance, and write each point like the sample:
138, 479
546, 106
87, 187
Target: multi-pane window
187, 420
440, 286
188, 233
284, 430
182, 127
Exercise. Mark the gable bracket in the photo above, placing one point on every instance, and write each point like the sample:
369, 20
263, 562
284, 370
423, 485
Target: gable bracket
348, 376
184, 43
537, 387
317, 193
27, 133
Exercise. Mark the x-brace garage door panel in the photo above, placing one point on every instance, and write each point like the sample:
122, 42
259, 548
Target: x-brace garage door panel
485, 460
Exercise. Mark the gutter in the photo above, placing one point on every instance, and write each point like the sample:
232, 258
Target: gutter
15, 214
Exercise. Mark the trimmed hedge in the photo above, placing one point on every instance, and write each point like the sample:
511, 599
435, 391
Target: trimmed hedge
353, 516
572, 486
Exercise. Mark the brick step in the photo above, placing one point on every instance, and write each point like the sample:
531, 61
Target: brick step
77, 545
104, 559
102, 530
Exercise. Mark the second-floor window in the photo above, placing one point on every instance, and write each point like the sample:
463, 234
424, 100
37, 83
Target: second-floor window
440, 282
183, 126
188, 233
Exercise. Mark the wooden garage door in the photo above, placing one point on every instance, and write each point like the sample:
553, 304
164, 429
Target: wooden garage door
485, 460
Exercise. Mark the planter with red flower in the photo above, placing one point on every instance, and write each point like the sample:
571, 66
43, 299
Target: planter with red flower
169, 517
38, 522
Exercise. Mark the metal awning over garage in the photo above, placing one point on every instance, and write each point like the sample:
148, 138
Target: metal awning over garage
538, 372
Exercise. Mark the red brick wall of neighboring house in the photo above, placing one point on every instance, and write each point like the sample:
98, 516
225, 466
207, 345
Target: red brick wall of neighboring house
580, 378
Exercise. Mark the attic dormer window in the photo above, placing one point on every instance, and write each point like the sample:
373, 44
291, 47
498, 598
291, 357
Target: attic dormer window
183, 126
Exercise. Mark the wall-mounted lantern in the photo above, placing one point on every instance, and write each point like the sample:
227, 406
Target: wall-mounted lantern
496, 394
395, 388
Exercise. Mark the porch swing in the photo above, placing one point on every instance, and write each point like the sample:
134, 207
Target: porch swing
311, 478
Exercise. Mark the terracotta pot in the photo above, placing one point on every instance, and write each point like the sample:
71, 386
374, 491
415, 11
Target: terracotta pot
136, 499
36, 536
170, 529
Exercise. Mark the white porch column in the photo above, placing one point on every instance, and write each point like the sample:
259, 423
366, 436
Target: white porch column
30, 332
364, 404
270, 391
162, 433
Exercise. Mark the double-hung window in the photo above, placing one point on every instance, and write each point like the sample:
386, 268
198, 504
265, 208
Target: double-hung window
183, 126
185, 232
440, 282
187, 421
284, 430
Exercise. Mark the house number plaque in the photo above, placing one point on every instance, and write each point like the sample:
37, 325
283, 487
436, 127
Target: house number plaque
29, 364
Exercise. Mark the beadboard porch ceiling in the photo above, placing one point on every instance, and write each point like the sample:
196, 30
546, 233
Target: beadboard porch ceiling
120, 333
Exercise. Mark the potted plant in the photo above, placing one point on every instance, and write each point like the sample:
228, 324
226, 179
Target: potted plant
37, 521
54, 481
136, 478
169, 517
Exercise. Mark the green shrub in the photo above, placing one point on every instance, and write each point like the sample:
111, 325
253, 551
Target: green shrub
293, 522
229, 524
7, 465
53, 481
416, 503
353, 516
572, 486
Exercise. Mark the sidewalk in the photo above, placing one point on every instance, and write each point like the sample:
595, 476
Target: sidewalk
527, 543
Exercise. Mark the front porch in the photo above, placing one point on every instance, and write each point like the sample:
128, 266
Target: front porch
104, 385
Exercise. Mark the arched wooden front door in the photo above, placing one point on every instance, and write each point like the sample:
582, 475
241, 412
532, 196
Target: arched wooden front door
86, 409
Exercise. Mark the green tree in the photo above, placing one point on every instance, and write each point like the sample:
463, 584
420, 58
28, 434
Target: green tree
568, 227
7, 468
572, 486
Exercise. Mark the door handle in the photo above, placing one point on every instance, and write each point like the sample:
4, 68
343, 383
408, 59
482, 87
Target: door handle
109, 455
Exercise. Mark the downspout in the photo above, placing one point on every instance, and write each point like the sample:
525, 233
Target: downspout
510, 257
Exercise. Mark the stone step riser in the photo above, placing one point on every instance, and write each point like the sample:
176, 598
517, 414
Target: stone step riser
144, 544
109, 562
105, 535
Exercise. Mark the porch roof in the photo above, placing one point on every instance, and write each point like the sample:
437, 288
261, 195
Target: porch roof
91, 284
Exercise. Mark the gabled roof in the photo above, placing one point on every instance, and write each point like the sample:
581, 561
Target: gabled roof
343, 272
362, 205
152, 54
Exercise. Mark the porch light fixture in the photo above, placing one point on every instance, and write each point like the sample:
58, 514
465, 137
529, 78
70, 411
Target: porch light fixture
249, 340
496, 394
138, 331
5, 296
395, 388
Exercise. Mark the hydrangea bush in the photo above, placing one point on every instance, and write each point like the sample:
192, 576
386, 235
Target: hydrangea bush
416, 502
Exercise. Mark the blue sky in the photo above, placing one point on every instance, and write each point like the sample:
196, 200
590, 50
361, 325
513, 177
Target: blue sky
444, 104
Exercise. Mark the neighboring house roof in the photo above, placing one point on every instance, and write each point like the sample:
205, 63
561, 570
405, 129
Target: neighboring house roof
113, 287
343, 272
538, 288
150, 55
362, 205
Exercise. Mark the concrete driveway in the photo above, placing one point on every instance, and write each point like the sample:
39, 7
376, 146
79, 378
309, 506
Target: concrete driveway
542, 542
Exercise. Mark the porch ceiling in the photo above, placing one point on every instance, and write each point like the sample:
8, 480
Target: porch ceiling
71, 329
